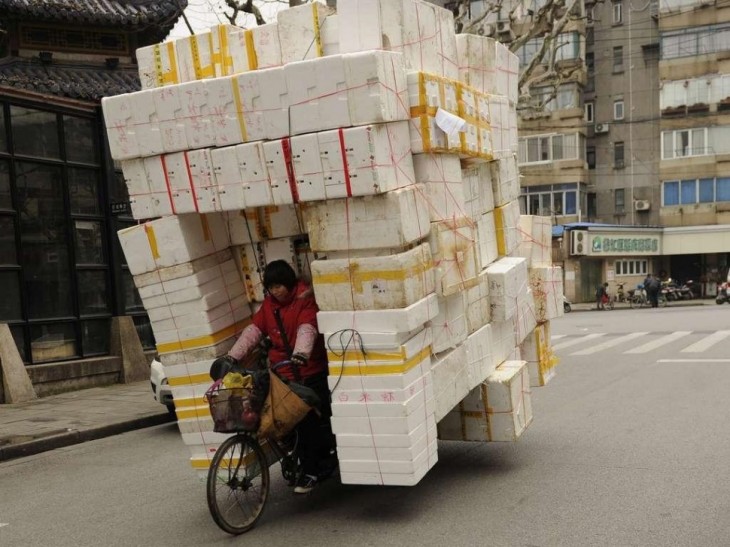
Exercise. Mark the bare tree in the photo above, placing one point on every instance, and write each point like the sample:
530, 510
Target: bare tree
251, 7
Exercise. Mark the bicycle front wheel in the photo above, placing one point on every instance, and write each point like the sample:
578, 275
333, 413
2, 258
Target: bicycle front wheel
238, 484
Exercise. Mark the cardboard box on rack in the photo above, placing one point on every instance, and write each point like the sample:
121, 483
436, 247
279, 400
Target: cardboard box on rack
373, 283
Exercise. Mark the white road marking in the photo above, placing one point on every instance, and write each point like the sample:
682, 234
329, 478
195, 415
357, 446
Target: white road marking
610, 343
4, 524
693, 361
558, 336
585, 338
707, 342
646, 348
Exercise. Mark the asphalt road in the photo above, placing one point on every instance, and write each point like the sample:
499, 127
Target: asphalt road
628, 447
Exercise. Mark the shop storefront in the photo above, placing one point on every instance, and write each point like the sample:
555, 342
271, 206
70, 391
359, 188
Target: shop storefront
698, 253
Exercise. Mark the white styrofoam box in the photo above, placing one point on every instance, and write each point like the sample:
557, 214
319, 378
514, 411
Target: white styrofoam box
487, 239
280, 221
147, 128
282, 248
525, 319
217, 268
278, 161
503, 340
421, 39
505, 180
424, 96
477, 190
262, 46
441, 175
376, 87
244, 227
343, 339
180, 183
390, 220
536, 240
273, 102
195, 57
454, 250
450, 380
207, 302
401, 466
380, 382
477, 59
479, 349
541, 361
469, 112
508, 403
450, 325
484, 126
507, 222
390, 479
120, 126
140, 198
448, 56
300, 31
159, 186
330, 35
499, 109
372, 453
190, 288
513, 140
200, 335
228, 50
228, 114
374, 283
203, 181
197, 110
422, 386
317, 92
507, 281
242, 176
405, 440
199, 318
178, 271
170, 118
157, 65
306, 164
172, 240
198, 355
251, 265
478, 310
366, 160
399, 320
380, 409
371, 25
546, 283
383, 425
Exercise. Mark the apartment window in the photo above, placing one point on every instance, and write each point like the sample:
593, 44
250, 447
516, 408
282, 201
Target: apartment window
692, 191
551, 199
590, 63
684, 143
617, 13
552, 147
591, 157
589, 112
618, 59
590, 15
631, 267
567, 46
618, 155
619, 201
567, 96
529, 50
618, 110
695, 41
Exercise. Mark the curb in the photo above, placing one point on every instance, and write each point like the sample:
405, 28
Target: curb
673, 304
72, 437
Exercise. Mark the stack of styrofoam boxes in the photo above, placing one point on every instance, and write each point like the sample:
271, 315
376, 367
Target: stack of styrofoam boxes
546, 284
194, 297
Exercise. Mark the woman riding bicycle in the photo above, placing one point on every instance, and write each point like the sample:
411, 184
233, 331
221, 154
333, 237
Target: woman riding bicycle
288, 317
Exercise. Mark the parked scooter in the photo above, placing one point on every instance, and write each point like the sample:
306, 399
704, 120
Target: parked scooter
722, 297
686, 291
566, 305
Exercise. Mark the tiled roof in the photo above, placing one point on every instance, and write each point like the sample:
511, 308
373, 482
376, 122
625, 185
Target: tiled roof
77, 82
131, 14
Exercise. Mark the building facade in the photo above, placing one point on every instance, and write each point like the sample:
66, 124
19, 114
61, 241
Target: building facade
61, 198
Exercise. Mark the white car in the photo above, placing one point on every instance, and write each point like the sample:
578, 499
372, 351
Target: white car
160, 388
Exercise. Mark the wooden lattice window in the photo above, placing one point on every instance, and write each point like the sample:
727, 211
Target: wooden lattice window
94, 41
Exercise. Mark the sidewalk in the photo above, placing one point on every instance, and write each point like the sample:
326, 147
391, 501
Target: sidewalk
591, 306
76, 417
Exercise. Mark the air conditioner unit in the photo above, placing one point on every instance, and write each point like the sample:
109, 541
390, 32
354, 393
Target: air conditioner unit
642, 205
503, 27
601, 128
486, 30
578, 242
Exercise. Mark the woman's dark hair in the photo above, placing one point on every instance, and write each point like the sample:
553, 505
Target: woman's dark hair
279, 272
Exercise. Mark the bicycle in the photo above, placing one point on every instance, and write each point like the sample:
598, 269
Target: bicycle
237, 486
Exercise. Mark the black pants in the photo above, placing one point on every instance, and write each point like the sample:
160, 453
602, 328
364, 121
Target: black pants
654, 298
315, 434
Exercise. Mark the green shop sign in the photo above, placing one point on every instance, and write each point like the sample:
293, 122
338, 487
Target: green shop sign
625, 244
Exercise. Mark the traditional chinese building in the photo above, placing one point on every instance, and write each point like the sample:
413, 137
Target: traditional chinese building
62, 201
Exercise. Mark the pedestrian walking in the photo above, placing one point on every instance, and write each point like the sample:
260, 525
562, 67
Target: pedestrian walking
601, 296
652, 287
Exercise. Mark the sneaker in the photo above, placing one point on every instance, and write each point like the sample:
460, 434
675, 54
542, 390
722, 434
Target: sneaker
305, 484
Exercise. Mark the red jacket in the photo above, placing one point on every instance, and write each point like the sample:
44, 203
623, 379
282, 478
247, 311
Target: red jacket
300, 309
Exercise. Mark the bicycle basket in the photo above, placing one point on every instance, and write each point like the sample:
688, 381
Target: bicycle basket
232, 410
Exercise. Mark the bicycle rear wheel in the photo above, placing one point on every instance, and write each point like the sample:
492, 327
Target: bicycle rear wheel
238, 484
